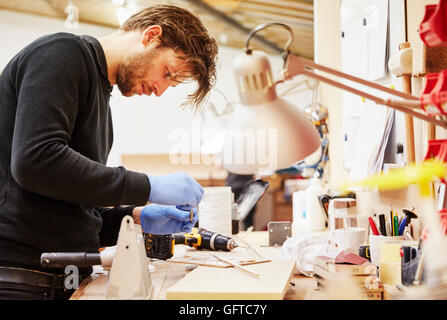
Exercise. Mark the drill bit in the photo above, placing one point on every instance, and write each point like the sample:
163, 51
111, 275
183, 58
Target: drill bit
231, 244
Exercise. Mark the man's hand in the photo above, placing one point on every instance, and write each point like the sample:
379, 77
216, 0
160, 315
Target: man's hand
159, 219
175, 189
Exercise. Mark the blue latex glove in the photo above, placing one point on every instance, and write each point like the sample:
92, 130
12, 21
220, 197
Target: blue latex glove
175, 189
159, 219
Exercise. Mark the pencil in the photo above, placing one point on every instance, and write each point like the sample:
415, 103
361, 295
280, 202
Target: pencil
191, 215
391, 223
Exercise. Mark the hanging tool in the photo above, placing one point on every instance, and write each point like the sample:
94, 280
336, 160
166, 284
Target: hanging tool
400, 65
410, 214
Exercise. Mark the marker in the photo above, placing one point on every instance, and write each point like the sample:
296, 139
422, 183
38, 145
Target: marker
391, 223
373, 226
382, 224
402, 226
396, 226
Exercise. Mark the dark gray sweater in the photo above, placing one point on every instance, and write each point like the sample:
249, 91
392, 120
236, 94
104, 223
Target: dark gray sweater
56, 192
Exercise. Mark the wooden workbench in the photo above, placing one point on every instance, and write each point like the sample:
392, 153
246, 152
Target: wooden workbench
168, 273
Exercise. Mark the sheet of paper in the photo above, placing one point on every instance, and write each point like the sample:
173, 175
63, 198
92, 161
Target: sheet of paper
373, 133
377, 35
215, 210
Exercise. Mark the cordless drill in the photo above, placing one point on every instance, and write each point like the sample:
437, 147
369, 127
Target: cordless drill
157, 246
200, 238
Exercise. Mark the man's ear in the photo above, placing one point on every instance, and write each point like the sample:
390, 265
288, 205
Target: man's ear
150, 34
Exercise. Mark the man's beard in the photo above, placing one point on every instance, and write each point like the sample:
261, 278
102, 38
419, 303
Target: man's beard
132, 71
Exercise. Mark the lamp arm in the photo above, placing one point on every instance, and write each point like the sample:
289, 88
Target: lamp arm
298, 65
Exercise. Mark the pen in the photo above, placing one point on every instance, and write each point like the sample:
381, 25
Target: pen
382, 224
373, 226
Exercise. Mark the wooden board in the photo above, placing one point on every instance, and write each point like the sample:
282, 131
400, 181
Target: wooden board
230, 284
298, 14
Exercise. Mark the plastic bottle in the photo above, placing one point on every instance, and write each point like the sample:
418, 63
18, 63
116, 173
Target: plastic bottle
315, 217
299, 221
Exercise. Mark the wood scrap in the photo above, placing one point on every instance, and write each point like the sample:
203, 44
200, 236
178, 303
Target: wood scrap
237, 266
212, 262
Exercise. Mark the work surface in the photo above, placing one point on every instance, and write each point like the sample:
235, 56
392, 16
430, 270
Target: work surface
166, 274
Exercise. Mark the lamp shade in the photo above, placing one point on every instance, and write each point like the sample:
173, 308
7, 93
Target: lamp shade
266, 132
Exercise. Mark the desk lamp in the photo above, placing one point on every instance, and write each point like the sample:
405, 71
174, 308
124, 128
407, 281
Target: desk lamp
291, 135
265, 132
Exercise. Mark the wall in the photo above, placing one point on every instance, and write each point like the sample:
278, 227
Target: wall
141, 124
328, 53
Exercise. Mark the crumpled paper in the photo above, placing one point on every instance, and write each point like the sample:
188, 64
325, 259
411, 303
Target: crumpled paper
304, 247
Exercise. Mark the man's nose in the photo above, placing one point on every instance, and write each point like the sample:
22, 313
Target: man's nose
161, 87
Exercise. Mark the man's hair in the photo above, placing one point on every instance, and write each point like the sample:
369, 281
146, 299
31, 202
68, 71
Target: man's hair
181, 30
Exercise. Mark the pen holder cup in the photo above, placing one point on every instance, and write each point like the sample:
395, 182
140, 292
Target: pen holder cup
375, 244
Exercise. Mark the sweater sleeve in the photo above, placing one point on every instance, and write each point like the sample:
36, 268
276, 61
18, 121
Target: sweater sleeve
51, 88
112, 218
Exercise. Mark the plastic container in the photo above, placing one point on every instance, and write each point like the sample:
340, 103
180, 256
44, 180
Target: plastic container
437, 149
427, 99
432, 30
299, 222
375, 243
316, 219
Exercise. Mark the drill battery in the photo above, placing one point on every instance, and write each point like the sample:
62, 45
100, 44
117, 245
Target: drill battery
162, 246
159, 246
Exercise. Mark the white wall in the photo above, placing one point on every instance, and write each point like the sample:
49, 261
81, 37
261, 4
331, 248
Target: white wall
328, 53
141, 124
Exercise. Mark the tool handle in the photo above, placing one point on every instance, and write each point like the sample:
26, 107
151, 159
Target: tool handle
63, 259
179, 238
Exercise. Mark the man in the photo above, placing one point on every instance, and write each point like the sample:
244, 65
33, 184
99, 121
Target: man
56, 193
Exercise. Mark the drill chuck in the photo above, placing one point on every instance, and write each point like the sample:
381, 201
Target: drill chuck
216, 241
